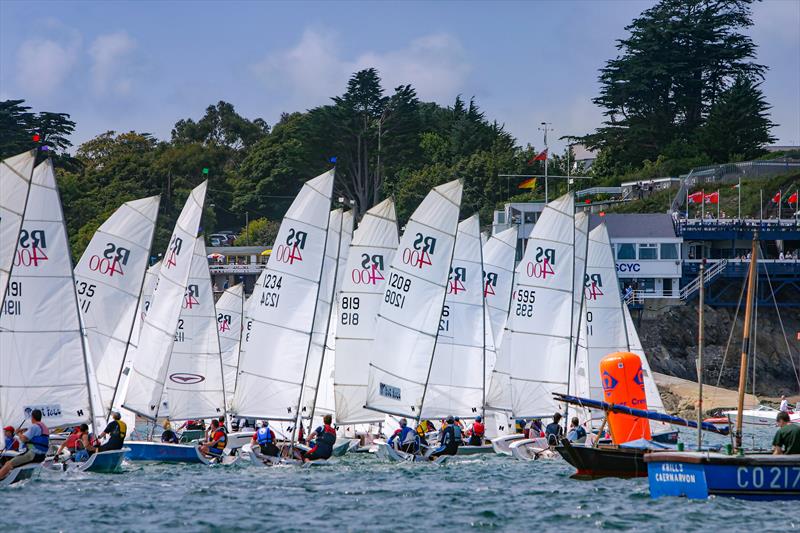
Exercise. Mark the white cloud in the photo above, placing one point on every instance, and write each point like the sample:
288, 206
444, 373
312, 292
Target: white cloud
110, 55
44, 64
313, 70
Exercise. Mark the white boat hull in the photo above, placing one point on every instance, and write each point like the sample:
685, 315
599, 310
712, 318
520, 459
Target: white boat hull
528, 449
501, 445
20, 475
763, 416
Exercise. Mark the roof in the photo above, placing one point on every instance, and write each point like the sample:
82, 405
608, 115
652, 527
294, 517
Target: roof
236, 250
636, 225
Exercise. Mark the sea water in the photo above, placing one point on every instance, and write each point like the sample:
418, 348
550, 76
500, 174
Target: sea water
359, 492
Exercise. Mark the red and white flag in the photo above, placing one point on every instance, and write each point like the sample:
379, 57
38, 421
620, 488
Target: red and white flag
777, 198
696, 198
793, 198
541, 156
712, 198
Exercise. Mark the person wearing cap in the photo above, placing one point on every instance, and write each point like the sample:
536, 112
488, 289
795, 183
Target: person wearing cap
11, 443
477, 432
264, 440
168, 436
448, 445
37, 441
116, 431
404, 438
323, 439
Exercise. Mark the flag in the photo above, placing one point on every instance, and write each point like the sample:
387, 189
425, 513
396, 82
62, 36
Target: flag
696, 198
529, 183
541, 156
793, 198
712, 198
735, 186
777, 198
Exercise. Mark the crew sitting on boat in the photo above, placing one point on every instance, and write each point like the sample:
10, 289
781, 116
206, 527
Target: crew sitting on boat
553, 432
11, 444
405, 438
193, 425
459, 431
216, 443
423, 428
447, 441
116, 431
168, 436
322, 440
787, 438
477, 432
576, 432
85, 446
37, 441
264, 437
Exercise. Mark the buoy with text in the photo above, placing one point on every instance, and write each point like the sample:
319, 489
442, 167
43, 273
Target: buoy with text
621, 374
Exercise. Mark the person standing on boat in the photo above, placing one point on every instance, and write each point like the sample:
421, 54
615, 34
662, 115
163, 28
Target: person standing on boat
787, 438
404, 438
477, 432
168, 436
264, 438
216, 443
323, 439
37, 440
448, 445
116, 431
553, 432
784, 405
576, 431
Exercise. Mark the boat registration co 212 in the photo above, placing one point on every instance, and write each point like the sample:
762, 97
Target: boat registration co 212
693, 480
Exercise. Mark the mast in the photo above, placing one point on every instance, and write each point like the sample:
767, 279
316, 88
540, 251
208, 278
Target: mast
748, 312
483, 324
700, 356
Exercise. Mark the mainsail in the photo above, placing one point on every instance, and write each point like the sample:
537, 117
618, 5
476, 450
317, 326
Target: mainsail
275, 349
371, 252
42, 358
15, 182
542, 324
411, 310
150, 361
340, 235
230, 308
114, 265
456, 382
499, 255
194, 385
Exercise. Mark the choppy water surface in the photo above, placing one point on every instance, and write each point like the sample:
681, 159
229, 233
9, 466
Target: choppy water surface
361, 493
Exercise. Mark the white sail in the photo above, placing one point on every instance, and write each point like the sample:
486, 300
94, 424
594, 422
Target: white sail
371, 252
326, 401
42, 358
499, 256
114, 264
15, 181
456, 382
411, 310
275, 348
230, 308
150, 361
654, 402
194, 387
542, 325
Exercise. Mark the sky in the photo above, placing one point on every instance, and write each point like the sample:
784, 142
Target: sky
144, 65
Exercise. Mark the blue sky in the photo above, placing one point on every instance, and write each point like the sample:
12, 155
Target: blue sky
144, 65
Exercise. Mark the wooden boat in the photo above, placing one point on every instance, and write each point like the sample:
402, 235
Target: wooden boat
604, 461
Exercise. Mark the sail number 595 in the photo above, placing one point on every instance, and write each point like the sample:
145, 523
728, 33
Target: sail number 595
525, 299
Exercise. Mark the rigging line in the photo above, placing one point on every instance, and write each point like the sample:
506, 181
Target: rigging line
783, 330
730, 335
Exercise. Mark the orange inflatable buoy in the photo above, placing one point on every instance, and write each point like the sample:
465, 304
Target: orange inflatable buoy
623, 384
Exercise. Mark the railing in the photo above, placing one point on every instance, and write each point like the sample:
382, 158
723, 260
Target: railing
234, 268
714, 270
598, 190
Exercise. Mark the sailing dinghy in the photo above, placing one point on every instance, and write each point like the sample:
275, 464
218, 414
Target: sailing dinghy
410, 314
43, 361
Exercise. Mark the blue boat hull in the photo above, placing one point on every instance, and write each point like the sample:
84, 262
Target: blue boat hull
105, 462
700, 475
164, 453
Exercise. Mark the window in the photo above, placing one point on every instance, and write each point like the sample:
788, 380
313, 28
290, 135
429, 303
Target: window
646, 284
626, 250
501, 217
648, 251
530, 217
669, 251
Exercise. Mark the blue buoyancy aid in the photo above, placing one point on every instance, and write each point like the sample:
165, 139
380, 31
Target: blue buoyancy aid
41, 443
264, 436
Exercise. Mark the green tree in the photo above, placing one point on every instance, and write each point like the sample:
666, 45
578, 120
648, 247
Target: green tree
259, 232
680, 57
738, 125
221, 125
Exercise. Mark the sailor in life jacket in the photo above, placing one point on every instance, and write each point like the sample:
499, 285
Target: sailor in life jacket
11, 442
116, 431
423, 428
448, 445
37, 440
405, 438
324, 437
459, 430
477, 433
217, 442
85, 446
264, 438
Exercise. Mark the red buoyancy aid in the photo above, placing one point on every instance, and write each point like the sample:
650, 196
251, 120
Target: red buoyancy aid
478, 429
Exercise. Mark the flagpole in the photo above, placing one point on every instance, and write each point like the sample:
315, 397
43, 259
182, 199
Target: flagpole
687, 203
703, 206
740, 198
780, 203
718, 202
761, 205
